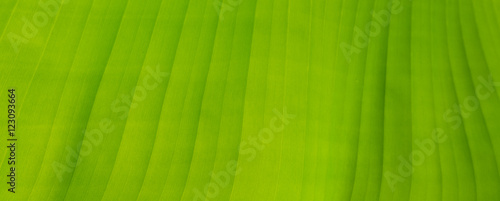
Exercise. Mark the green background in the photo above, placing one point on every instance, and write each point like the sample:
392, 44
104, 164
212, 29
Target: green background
226, 70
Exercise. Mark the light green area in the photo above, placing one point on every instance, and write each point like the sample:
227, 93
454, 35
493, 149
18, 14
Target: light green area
165, 99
